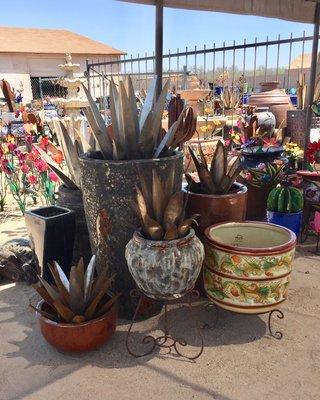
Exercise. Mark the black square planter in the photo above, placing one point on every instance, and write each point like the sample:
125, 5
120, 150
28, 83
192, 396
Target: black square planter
51, 230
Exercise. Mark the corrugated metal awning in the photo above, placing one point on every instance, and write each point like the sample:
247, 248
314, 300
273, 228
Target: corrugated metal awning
290, 10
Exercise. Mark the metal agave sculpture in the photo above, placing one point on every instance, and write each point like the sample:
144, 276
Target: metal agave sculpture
161, 210
134, 135
80, 298
219, 178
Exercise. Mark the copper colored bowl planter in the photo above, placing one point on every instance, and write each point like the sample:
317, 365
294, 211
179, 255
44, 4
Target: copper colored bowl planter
165, 269
82, 337
248, 265
218, 208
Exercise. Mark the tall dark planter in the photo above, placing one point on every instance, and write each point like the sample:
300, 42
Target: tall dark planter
51, 232
72, 199
108, 193
257, 202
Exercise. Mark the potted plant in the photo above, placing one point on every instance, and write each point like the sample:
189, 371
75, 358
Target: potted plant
76, 314
248, 265
133, 145
260, 181
284, 207
164, 256
216, 196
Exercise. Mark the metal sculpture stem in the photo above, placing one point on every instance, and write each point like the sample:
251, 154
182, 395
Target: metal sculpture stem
277, 334
165, 341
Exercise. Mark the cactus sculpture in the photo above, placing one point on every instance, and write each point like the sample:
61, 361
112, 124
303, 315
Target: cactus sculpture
285, 199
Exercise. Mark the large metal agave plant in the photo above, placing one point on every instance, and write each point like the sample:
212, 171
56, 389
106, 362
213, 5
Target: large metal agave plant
161, 210
219, 178
134, 135
80, 298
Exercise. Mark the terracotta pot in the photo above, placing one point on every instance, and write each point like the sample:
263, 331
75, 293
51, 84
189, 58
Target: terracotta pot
165, 269
277, 101
217, 208
248, 265
257, 202
78, 337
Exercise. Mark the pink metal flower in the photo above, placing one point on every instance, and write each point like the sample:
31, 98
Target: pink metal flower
32, 179
25, 168
53, 177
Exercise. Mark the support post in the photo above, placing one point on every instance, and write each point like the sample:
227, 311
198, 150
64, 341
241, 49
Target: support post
313, 72
159, 44
88, 75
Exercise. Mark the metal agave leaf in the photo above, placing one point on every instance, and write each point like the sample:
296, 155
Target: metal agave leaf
165, 206
78, 299
222, 174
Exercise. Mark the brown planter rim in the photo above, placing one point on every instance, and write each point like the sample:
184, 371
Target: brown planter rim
71, 325
86, 157
242, 189
164, 244
263, 251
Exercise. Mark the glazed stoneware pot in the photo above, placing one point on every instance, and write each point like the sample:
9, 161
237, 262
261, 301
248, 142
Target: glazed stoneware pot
288, 220
217, 208
82, 337
257, 203
165, 269
108, 189
51, 232
72, 199
248, 266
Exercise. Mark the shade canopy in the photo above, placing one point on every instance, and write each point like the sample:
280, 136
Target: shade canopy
290, 10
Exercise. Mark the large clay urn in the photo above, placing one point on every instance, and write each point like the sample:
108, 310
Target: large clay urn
215, 208
274, 98
109, 192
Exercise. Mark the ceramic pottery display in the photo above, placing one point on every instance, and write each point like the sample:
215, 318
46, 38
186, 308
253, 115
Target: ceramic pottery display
51, 232
288, 220
165, 269
72, 199
82, 337
248, 266
108, 189
277, 100
265, 119
217, 208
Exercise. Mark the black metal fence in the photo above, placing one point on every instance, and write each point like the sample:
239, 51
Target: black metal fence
269, 60
47, 87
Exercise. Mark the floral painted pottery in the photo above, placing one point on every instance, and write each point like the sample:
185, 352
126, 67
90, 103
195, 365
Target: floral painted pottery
82, 337
288, 220
217, 208
248, 266
165, 269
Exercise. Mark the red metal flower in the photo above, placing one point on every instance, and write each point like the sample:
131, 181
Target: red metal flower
270, 142
313, 152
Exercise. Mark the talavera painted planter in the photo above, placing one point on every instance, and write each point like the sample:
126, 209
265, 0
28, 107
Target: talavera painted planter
248, 265
165, 269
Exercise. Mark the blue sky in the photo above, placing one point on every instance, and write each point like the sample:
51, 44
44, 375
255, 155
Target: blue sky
130, 27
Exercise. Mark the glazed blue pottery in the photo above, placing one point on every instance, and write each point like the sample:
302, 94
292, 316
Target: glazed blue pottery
291, 221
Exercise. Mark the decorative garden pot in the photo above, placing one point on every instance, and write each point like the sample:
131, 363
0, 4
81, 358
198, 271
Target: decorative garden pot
266, 121
72, 199
257, 202
248, 266
288, 220
108, 189
51, 232
82, 337
165, 269
252, 157
217, 208
277, 100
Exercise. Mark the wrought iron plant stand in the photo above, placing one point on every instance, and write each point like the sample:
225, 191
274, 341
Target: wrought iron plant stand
166, 340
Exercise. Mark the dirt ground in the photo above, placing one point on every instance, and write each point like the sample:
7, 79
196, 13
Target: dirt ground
240, 360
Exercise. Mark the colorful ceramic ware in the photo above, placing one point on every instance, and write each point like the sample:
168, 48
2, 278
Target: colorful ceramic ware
248, 265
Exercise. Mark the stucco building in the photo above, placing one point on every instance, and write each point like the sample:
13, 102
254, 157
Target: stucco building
28, 57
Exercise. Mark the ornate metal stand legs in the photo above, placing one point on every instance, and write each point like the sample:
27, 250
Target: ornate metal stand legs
275, 334
165, 341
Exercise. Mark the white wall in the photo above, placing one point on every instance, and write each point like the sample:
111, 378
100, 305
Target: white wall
16, 68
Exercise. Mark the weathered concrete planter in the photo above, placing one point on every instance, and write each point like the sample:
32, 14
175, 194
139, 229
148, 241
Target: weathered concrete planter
248, 265
217, 208
108, 189
165, 269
